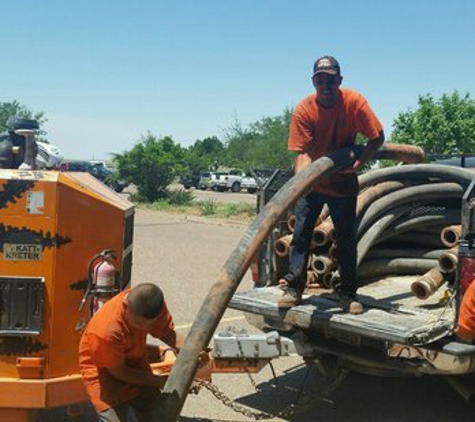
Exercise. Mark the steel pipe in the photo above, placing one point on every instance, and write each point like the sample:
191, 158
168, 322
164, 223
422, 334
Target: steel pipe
322, 234
323, 264
428, 284
291, 223
312, 278
282, 245
448, 261
325, 232
450, 236
332, 252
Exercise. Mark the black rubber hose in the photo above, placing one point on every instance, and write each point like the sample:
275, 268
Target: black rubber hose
408, 223
399, 266
420, 194
409, 239
376, 229
435, 172
404, 253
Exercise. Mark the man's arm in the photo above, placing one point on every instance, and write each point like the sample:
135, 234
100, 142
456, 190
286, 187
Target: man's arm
174, 339
136, 376
301, 161
369, 151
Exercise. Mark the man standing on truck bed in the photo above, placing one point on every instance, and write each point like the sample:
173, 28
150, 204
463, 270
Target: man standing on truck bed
322, 123
113, 354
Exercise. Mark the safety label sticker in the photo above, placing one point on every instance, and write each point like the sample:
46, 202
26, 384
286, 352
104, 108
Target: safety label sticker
22, 252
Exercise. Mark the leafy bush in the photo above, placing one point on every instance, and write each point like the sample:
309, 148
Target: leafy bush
208, 207
238, 209
181, 197
151, 165
443, 126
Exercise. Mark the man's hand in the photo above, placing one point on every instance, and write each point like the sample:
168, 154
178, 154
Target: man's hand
203, 358
353, 168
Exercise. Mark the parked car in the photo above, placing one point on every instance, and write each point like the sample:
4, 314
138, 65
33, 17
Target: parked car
98, 169
208, 179
249, 183
466, 161
256, 179
205, 178
190, 180
216, 180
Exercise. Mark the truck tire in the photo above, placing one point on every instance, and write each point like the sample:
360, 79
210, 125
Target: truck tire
251, 190
220, 189
236, 187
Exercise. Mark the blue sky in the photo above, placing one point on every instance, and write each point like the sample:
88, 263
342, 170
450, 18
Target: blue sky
107, 72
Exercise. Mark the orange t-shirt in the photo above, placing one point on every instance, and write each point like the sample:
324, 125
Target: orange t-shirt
319, 131
109, 341
466, 322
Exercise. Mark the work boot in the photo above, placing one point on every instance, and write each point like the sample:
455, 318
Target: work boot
350, 305
291, 297
283, 284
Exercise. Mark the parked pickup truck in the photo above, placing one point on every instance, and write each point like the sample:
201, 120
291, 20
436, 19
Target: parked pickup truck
249, 184
411, 278
231, 180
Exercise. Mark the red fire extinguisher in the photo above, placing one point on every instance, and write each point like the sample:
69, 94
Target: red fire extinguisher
101, 280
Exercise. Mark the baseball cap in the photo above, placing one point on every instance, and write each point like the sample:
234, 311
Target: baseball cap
326, 64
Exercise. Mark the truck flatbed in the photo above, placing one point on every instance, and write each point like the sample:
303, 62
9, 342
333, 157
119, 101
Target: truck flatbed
392, 313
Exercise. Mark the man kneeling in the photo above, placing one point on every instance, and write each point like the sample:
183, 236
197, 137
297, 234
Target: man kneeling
113, 354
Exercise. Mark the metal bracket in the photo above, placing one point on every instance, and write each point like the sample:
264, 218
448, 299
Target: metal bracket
230, 344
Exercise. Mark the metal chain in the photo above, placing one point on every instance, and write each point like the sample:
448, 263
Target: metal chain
241, 351
305, 403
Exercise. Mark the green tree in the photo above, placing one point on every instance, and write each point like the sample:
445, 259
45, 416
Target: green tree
204, 154
14, 108
151, 165
263, 144
444, 126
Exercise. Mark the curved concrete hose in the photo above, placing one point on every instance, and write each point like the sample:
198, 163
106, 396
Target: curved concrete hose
390, 224
404, 266
405, 253
408, 224
214, 305
419, 171
420, 193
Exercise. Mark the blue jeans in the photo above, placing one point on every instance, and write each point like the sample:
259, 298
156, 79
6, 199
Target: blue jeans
343, 214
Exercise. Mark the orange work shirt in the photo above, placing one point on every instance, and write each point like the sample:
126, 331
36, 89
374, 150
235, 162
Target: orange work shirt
110, 341
466, 322
319, 131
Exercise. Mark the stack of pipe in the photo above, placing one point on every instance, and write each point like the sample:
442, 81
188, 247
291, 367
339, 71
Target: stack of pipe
408, 223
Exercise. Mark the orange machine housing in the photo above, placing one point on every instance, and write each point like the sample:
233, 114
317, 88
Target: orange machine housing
51, 225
